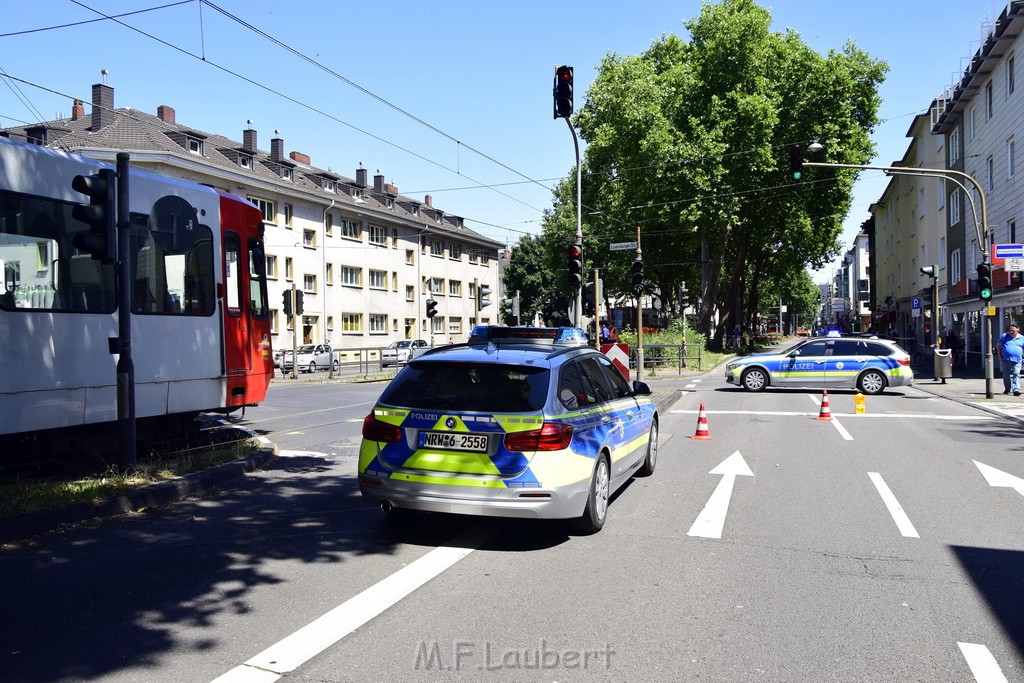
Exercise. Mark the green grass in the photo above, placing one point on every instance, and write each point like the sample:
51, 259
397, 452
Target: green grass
27, 494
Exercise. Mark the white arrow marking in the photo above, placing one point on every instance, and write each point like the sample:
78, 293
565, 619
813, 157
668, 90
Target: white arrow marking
983, 664
711, 520
996, 477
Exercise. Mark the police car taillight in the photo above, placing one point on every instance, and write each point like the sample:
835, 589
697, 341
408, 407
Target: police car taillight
552, 436
375, 430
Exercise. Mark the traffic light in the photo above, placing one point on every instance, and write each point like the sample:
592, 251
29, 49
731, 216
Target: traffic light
796, 162
298, 302
286, 298
638, 278
563, 92
99, 214
431, 308
575, 254
984, 281
483, 297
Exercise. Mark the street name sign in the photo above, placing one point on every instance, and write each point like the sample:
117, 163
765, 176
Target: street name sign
623, 246
1006, 251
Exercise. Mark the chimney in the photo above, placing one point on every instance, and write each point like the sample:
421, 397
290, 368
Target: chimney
300, 158
429, 201
165, 114
77, 110
378, 183
391, 188
361, 177
277, 149
102, 106
249, 140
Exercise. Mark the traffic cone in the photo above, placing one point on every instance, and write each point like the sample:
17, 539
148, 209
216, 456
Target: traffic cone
702, 425
825, 413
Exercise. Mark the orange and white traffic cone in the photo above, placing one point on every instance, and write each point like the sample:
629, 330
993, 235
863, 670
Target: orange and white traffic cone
702, 425
824, 413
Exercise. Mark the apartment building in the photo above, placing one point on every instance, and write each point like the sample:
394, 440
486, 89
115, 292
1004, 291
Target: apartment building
366, 257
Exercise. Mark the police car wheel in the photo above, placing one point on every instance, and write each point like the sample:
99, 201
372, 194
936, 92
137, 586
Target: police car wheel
754, 379
647, 469
594, 514
871, 382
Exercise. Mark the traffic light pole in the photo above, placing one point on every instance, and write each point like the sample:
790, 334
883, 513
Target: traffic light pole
295, 332
982, 234
126, 432
577, 311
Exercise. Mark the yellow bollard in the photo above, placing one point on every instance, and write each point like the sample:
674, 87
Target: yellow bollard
858, 402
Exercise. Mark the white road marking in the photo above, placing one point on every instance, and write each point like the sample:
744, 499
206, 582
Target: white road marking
903, 522
711, 520
303, 454
996, 477
294, 650
983, 664
783, 413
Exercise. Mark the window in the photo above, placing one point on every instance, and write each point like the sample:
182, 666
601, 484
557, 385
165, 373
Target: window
955, 272
309, 282
351, 322
484, 258
245, 161
378, 279
410, 257
455, 252
455, 326
954, 147
288, 216
394, 239
970, 123
378, 323
352, 277
309, 239
1011, 158
378, 235
454, 288
288, 272
329, 275
1010, 75
286, 173
989, 174
168, 269
271, 267
954, 207
330, 322
410, 292
436, 248
329, 224
350, 229
267, 207
988, 100
437, 325
474, 255
330, 185
435, 285
194, 145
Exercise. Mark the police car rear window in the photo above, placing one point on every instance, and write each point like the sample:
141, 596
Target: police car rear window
489, 388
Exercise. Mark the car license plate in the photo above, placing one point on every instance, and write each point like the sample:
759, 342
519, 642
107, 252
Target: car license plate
454, 441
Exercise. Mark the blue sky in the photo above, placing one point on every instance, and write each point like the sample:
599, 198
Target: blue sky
451, 99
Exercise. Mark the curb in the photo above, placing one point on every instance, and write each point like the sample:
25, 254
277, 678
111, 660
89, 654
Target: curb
13, 529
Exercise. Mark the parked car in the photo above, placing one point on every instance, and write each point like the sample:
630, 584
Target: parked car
311, 357
523, 422
401, 352
867, 364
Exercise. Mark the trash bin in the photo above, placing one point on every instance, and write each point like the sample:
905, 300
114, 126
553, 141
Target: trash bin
943, 363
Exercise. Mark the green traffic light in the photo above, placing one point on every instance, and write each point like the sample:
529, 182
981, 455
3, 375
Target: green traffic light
797, 175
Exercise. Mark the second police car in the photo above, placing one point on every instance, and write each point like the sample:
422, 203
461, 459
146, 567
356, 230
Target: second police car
520, 422
865, 363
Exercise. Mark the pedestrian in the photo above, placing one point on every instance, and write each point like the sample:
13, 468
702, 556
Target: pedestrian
1011, 350
736, 338
604, 333
613, 334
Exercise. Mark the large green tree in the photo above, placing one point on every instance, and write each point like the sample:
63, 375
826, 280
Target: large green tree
689, 142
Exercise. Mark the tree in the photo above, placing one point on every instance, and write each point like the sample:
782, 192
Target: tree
690, 142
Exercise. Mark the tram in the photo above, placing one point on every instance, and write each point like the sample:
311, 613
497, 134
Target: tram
200, 324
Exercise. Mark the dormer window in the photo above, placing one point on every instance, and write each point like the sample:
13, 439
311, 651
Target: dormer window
194, 145
245, 161
391, 203
415, 209
357, 193
286, 173
330, 185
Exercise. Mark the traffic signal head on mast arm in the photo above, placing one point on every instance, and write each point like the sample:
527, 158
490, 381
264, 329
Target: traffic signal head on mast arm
575, 265
796, 162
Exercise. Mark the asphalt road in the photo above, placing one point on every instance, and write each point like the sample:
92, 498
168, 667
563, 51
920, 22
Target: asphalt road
785, 548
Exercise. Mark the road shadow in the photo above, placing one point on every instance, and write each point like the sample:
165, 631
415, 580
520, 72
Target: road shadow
998, 576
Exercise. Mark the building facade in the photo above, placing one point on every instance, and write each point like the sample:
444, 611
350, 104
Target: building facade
365, 257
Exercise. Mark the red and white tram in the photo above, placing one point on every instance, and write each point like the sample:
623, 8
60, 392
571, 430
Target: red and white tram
199, 317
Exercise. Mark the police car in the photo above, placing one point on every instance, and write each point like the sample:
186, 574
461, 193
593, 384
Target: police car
524, 422
868, 364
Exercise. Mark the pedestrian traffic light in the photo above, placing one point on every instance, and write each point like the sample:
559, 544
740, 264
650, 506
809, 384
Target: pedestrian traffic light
100, 214
575, 265
483, 297
298, 302
984, 281
431, 308
796, 162
286, 299
638, 278
563, 92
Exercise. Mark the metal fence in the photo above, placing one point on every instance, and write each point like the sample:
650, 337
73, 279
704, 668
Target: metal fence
669, 357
